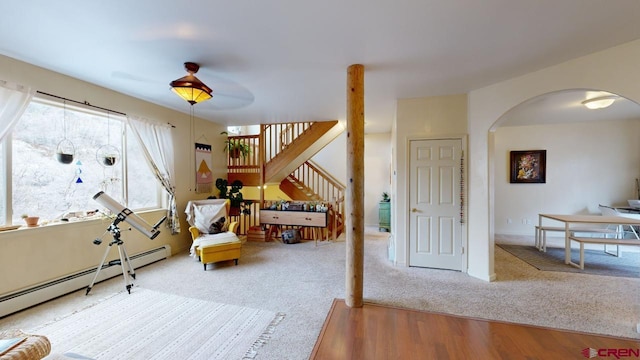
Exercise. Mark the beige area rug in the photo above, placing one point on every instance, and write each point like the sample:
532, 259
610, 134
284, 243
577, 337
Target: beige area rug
597, 262
152, 325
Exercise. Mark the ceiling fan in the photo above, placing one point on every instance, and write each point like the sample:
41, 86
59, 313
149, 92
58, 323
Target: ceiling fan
224, 94
189, 87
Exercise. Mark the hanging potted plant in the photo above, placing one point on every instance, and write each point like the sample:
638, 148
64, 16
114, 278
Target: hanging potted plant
107, 155
65, 149
236, 147
65, 152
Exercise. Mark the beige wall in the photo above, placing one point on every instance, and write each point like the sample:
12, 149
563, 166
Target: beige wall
377, 171
588, 163
32, 256
614, 70
422, 118
377, 179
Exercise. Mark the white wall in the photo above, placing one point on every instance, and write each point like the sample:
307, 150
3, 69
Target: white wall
333, 158
377, 170
614, 70
377, 179
431, 117
41, 254
588, 163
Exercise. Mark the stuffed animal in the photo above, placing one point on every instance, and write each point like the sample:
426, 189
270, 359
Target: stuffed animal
217, 227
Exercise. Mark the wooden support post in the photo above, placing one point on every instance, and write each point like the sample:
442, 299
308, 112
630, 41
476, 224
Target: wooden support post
355, 186
262, 146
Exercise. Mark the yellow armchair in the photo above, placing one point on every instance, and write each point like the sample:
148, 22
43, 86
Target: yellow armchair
211, 248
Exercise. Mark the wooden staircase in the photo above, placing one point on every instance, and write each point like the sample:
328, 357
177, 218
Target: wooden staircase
299, 149
280, 154
284, 148
309, 182
296, 189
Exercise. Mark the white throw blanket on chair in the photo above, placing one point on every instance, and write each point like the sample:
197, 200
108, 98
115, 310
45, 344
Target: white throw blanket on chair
212, 239
201, 213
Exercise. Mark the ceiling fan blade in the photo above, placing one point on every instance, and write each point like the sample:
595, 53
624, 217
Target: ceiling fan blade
130, 77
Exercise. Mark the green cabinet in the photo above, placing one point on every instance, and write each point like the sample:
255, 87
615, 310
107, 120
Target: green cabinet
384, 213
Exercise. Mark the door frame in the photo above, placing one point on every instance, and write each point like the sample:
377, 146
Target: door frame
407, 212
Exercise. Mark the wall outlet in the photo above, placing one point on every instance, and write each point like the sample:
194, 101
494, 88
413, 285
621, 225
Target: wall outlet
524, 221
509, 221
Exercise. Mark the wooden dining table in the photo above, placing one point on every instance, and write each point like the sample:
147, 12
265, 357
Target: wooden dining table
585, 219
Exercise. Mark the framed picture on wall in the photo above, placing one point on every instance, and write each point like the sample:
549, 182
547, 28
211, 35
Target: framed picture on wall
528, 166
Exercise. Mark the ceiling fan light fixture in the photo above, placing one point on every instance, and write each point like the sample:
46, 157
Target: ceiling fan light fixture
189, 87
600, 102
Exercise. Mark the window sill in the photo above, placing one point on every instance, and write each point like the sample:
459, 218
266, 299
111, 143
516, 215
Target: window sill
75, 222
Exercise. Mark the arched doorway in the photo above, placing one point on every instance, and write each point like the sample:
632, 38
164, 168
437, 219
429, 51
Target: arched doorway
593, 157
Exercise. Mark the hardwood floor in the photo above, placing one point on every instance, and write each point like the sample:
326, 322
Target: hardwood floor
382, 332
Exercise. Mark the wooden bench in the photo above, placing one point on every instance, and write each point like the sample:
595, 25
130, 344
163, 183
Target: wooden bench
603, 241
541, 234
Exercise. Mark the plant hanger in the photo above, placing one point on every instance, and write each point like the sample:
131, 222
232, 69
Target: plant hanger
65, 151
107, 155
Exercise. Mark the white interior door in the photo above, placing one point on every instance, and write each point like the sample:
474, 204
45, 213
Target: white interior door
435, 230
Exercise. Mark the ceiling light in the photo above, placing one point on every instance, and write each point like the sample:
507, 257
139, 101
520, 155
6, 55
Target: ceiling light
600, 102
190, 87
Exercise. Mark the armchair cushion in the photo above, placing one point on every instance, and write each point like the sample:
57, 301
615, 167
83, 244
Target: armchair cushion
210, 240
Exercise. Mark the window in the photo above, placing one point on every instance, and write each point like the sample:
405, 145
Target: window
3, 184
43, 186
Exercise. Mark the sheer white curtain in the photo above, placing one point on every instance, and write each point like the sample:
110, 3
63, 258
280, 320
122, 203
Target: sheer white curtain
157, 144
14, 99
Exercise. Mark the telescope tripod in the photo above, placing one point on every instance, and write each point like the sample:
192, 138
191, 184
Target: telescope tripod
115, 231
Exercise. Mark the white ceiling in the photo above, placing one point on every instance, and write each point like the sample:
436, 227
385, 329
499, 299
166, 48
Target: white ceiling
566, 106
286, 60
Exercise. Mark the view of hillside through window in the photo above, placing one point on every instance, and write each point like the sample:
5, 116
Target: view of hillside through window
43, 186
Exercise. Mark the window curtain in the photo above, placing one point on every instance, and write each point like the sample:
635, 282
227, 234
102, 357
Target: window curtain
14, 100
157, 144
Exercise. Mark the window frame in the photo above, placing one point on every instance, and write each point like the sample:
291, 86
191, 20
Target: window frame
6, 171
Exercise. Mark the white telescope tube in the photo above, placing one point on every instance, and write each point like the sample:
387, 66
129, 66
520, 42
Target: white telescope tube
127, 215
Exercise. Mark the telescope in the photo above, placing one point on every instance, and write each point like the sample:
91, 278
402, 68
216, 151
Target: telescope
123, 213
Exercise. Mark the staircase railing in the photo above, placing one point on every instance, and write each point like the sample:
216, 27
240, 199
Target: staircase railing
325, 187
246, 221
248, 163
278, 136
323, 184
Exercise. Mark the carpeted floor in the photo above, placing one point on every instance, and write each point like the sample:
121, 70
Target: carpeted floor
301, 280
596, 261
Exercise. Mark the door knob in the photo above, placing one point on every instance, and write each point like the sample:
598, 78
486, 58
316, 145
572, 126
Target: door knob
414, 210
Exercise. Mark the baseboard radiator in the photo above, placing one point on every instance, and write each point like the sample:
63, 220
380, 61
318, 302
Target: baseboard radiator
34, 295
